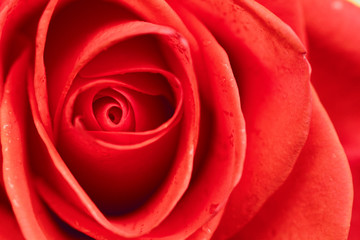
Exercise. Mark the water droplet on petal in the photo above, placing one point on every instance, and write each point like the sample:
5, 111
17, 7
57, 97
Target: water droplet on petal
337, 5
16, 203
206, 229
191, 151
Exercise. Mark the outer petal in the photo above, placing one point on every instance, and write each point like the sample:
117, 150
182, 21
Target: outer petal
274, 94
219, 155
355, 221
9, 227
315, 201
13, 15
17, 28
33, 218
291, 12
333, 45
334, 53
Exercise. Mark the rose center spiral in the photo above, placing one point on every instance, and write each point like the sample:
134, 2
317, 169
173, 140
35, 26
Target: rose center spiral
115, 114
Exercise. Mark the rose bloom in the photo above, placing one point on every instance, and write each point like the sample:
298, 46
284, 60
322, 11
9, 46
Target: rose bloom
159, 119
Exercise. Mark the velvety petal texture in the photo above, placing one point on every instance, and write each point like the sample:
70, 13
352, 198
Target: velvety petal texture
334, 55
336, 75
303, 201
10, 228
169, 120
271, 152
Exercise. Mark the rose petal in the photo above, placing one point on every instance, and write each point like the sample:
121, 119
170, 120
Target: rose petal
333, 43
158, 12
219, 155
144, 165
273, 78
335, 57
149, 157
33, 218
15, 15
105, 39
208, 229
165, 199
10, 228
72, 215
355, 221
152, 110
53, 89
290, 12
139, 52
315, 201
125, 138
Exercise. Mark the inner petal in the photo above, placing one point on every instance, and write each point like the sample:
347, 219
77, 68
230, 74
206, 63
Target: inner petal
107, 112
131, 102
150, 111
123, 164
115, 114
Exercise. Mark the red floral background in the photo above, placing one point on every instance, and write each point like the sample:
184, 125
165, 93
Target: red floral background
180, 119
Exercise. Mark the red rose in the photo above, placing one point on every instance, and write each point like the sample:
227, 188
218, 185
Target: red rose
165, 120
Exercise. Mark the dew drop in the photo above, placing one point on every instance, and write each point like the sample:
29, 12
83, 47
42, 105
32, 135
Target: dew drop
191, 151
226, 65
337, 5
16, 203
206, 229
